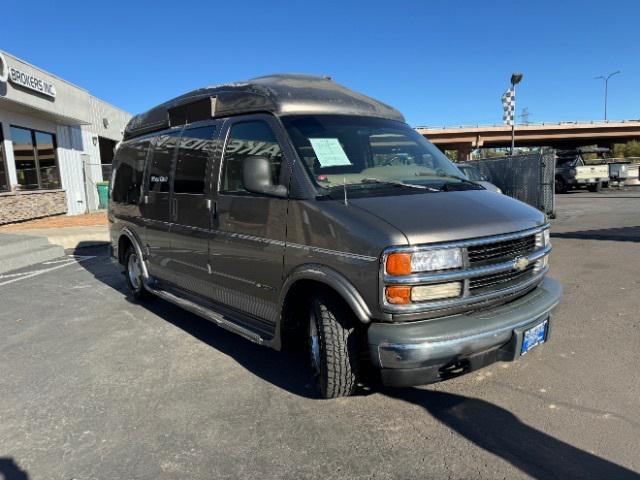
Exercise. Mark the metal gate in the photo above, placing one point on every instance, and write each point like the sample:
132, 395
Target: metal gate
93, 173
529, 178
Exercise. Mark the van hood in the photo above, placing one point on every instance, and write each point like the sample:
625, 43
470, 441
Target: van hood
450, 216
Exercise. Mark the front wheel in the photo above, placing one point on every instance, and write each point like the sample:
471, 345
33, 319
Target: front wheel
334, 345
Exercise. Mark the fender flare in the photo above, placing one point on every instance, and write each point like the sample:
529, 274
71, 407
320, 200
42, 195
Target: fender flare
135, 241
333, 279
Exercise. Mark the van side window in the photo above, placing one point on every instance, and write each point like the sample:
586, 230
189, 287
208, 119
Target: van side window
196, 145
247, 139
162, 150
130, 160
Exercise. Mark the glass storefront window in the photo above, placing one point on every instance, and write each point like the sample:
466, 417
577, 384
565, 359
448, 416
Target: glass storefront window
35, 157
47, 165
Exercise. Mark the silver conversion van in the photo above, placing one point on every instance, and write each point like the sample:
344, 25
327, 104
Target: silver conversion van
294, 211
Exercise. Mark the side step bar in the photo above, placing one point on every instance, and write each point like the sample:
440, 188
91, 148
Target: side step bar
206, 313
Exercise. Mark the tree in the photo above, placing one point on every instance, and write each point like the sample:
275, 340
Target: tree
629, 149
632, 149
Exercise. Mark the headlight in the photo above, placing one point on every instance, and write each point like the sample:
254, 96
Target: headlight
402, 263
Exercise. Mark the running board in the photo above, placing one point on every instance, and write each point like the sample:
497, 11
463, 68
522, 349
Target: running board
207, 314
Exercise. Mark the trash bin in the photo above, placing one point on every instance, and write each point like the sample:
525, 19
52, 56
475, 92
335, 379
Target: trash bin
103, 194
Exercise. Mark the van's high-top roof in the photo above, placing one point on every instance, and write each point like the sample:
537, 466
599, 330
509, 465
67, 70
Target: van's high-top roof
280, 94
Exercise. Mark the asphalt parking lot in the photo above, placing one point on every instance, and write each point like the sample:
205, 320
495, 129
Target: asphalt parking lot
95, 386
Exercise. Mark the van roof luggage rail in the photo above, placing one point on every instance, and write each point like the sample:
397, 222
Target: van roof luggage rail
280, 94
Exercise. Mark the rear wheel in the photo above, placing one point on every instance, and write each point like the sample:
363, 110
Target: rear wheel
334, 345
133, 274
596, 187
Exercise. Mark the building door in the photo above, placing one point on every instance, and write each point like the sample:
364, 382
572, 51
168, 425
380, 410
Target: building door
107, 151
192, 195
248, 234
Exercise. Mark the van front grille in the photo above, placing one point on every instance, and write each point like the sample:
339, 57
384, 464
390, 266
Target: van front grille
496, 252
498, 281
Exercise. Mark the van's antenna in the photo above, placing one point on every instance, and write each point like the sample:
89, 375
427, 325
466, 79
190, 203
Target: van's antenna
344, 187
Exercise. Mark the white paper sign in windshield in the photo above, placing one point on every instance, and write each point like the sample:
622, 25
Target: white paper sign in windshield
329, 152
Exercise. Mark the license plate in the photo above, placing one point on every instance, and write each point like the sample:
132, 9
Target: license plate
534, 336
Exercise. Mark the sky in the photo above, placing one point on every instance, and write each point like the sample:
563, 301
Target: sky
440, 62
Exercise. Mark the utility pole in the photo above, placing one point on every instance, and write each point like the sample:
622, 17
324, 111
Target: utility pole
525, 116
606, 88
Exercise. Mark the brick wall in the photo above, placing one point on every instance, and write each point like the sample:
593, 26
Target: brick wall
20, 206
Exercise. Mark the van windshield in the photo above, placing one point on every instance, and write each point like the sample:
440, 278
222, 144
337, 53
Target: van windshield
363, 152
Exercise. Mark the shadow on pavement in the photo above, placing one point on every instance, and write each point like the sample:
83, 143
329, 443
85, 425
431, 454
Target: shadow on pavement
488, 426
287, 369
9, 470
501, 433
622, 234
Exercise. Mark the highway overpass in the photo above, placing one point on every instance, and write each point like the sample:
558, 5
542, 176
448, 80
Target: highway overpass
464, 139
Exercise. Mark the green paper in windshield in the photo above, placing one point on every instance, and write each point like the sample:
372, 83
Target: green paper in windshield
329, 152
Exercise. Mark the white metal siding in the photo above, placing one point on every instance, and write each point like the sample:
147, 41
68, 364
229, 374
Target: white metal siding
70, 163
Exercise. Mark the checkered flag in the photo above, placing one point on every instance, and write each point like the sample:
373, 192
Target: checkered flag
508, 107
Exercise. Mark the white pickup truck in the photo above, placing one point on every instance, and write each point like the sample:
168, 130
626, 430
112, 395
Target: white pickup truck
573, 172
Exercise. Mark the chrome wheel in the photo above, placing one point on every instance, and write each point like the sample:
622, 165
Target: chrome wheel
314, 343
134, 271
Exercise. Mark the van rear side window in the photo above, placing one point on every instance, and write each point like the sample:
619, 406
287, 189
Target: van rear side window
130, 161
195, 147
163, 149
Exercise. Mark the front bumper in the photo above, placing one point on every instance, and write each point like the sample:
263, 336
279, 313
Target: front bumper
427, 351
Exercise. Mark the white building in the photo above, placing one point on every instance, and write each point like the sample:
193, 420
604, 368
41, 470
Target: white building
56, 142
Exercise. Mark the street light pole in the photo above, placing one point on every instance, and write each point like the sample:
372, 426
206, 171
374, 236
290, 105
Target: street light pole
515, 79
606, 89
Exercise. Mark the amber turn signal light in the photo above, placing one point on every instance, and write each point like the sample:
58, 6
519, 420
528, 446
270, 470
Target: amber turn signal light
399, 264
398, 295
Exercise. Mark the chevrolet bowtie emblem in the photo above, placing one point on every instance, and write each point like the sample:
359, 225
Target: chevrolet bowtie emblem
521, 263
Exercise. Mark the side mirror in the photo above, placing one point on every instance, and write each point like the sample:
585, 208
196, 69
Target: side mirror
256, 177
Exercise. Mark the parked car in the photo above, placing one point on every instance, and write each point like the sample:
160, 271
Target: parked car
293, 211
572, 171
473, 173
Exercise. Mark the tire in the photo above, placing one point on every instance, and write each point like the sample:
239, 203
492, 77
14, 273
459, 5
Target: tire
334, 345
595, 188
133, 275
560, 186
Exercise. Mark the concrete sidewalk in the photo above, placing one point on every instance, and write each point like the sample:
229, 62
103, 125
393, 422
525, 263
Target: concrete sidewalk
19, 251
73, 237
68, 231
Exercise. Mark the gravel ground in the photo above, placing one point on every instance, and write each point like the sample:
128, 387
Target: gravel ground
94, 386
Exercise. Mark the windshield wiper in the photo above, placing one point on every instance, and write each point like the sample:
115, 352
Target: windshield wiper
455, 177
399, 183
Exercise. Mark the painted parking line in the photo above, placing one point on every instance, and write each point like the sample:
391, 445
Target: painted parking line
57, 264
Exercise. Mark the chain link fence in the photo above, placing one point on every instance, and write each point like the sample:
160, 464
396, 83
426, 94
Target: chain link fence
529, 178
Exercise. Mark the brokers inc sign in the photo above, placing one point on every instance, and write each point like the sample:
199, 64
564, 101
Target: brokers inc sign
26, 80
